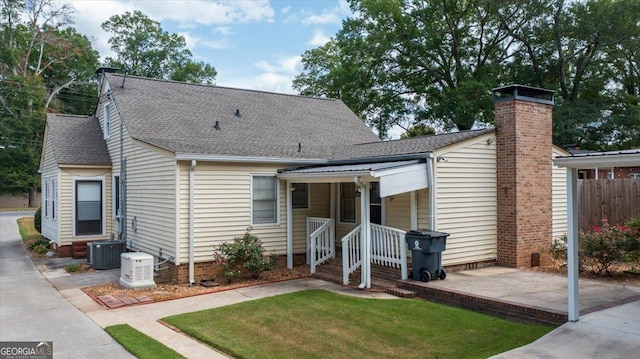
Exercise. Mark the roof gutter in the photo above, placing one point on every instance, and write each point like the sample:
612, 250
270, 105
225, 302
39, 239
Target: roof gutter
209, 158
379, 159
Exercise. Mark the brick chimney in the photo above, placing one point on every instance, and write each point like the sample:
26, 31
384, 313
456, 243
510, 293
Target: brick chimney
524, 168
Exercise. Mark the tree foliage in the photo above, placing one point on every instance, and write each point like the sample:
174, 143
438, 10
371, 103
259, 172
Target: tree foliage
404, 62
142, 48
44, 63
417, 131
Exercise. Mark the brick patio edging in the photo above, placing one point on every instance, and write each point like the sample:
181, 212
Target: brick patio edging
500, 308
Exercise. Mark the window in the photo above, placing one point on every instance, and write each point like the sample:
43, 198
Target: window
107, 121
264, 200
46, 199
116, 196
375, 204
634, 175
54, 197
88, 207
348, 202
300, 196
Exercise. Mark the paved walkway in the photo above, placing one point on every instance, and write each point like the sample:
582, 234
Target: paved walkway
32, 310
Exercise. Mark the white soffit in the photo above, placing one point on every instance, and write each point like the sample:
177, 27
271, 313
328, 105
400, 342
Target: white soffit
628, 158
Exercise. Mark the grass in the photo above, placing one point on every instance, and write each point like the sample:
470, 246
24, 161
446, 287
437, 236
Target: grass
27, 231
321, 324
72, 268
139, 344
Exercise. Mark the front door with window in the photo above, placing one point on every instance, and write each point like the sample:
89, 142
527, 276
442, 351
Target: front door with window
88, 207
375, 204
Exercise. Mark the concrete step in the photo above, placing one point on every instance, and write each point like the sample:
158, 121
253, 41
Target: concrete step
329, 277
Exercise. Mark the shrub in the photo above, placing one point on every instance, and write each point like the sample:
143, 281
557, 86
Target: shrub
37, 220
603, 246
245, 252
72, 268
39, 246
632, 244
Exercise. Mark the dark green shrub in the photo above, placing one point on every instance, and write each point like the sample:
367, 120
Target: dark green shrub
37, 220
244, 253
39, 246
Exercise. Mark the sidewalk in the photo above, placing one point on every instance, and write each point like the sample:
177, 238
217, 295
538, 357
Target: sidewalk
145, 317
32, 310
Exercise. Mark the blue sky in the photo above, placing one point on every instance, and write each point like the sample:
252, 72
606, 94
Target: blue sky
253, 44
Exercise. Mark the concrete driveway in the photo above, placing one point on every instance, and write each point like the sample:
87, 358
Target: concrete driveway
32, 310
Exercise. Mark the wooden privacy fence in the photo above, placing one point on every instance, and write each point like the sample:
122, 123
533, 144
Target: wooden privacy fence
617, 200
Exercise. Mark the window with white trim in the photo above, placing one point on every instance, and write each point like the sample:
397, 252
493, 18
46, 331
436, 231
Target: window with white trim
634, 175
54, 197
47, 192
88, 207
348, 202
107, 121
300, 196
264, 199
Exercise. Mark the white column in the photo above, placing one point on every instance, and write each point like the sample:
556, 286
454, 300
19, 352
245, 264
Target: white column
366, 223
289, 228
572, 245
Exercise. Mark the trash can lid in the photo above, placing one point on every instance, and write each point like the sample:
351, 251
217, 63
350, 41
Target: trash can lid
427, 233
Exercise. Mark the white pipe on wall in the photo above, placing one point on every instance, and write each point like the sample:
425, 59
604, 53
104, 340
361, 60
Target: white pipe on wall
191, 215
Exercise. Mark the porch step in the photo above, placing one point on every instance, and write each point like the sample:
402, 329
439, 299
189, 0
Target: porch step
329, 277
402, 293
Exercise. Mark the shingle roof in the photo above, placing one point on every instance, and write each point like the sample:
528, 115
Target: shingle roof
181, 118
77, 140
414, 145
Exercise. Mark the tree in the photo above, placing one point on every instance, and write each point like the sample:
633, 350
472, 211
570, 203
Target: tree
143, 49
414, 60
43, 62
417, 131
435, 61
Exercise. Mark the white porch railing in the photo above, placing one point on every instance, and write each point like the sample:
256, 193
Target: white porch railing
388, 248
351, 254
321, 240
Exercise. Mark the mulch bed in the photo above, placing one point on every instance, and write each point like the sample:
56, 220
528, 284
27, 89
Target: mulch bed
621, 274
113, 295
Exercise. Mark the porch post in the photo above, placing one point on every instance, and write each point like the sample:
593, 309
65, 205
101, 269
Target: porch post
332, 215
365, 221
572, 244
289, 228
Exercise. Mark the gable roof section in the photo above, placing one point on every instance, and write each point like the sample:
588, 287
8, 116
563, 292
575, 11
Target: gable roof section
181, 118
416, 145
77, 140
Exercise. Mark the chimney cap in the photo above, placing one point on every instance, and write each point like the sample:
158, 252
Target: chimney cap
109, 70
524, 93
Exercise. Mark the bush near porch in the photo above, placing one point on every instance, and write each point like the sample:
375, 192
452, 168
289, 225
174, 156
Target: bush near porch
604, 248
322, 324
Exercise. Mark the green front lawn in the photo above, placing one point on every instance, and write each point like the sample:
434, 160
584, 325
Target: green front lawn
321, 324
139, 344
26, 228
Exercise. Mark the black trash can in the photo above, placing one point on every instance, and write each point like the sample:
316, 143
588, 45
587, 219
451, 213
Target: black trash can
426, 253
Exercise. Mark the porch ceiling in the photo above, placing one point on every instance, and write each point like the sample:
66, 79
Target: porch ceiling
394, 177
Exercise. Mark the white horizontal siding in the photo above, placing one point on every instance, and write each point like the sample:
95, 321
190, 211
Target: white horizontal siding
67, 204
423, 208
466, 206
222, 208
559, 194
398, 211
50, 226
151, 189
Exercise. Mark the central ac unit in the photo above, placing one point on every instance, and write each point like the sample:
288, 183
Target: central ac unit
105, 254
136, 270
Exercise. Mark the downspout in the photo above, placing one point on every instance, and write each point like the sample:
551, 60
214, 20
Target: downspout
363, 234
191, 215
432, 192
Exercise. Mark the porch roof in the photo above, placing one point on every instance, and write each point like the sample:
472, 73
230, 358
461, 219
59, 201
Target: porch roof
394, 177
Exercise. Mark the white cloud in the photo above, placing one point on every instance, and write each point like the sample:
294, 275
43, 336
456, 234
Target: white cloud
285, 10
319, 38
223, 30
327, 17
191, 41
215, 44
275, 75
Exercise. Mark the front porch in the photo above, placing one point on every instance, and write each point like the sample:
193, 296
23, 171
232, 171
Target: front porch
360, 217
